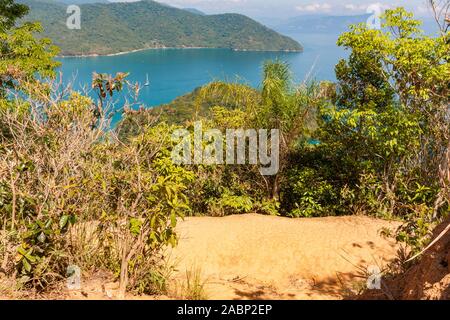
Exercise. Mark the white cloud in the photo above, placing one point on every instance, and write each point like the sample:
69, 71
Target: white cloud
367, 8
315, 7
355, 7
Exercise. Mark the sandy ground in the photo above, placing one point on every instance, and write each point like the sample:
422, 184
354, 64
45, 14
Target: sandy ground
263, 257
428, 279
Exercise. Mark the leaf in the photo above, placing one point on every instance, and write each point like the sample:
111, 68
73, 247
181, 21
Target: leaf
48, 224
26, 265
135, 226
173, 219
73, 219
63, 221
173, 241
21, 251
31, 258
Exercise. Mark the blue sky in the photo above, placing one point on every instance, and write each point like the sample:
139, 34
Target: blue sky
289, 8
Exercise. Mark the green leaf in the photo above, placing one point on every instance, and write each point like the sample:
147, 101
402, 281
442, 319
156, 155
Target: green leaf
26, 265
22, 251
63, 221
173, 219
135, 226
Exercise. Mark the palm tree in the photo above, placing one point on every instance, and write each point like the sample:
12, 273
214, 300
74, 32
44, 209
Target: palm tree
279, 103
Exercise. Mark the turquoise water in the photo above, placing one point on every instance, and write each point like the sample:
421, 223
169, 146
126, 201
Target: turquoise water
174, 72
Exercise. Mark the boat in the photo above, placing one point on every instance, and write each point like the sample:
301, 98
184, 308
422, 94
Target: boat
147, 81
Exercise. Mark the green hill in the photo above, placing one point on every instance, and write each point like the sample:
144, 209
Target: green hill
182, 110
196, 11
108, 28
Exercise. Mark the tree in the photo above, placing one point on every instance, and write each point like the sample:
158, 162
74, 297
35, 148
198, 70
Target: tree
10, 12
24, 60
441, 12
387, 129
279, 104
64, 175
288, 108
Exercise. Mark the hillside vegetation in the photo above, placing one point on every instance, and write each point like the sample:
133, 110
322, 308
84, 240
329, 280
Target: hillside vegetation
117, 27
179, 111
73, 192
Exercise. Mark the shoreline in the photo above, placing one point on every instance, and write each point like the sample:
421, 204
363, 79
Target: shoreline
94, 55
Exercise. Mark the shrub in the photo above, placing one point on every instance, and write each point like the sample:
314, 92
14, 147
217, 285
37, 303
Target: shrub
72, 192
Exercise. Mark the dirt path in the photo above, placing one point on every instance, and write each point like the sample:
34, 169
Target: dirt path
263, 257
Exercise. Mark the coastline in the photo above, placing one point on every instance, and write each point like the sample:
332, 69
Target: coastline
93, 55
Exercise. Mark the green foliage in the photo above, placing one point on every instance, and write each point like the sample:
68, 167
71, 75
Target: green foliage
279, 104
417, 229
22, 57
201, 103
38, 201
193, 288
228, 204
376, 142
383, 138
144, 194
10, 12
64, 178
307, 195
61, 186
149, 24
268, 206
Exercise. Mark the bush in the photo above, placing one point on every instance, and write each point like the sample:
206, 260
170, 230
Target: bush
71, 192
307, 195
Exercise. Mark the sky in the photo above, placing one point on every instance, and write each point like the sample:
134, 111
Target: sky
290, 8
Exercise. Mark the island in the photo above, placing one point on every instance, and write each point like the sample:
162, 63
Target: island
112, 28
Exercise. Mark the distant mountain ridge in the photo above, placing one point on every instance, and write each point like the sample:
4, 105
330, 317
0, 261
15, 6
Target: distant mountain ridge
196, 11
318, 24
109, 28
328, 23
69, 2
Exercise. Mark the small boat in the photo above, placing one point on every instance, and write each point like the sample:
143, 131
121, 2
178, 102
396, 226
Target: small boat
147, 81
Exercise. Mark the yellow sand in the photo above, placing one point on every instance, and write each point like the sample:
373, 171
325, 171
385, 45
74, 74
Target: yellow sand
263, 257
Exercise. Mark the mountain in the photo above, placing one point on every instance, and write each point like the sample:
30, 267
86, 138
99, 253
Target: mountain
77, 2
319, 24
308, 24
108, 28
196, 11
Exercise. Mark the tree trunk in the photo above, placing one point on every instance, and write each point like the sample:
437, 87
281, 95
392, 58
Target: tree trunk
123, 282
276, 188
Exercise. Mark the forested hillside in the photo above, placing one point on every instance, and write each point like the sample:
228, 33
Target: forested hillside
75, 194
108, 28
